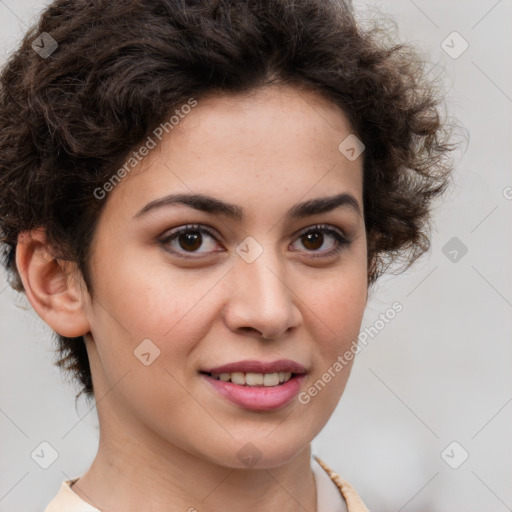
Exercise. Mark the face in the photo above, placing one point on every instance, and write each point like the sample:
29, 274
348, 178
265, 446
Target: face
262, 277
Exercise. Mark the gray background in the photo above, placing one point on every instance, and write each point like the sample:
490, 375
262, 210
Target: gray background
439, 372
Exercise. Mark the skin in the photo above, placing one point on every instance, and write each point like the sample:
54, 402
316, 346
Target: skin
164, 432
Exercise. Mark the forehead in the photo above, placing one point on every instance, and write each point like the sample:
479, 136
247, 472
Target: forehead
251, 148
290, 113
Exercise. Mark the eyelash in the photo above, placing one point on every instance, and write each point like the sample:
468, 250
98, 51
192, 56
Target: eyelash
341, 240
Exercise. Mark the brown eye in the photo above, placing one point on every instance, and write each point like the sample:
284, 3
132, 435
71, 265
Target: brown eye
322, 235
313, 241
189, 240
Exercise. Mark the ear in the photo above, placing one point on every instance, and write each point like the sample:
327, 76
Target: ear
53, 287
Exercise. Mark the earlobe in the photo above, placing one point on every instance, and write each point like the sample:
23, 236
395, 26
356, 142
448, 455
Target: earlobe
51, 286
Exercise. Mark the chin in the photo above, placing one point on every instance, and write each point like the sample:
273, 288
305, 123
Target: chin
257, 452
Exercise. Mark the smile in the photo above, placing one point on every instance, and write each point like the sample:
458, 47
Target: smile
245, 391
254, 379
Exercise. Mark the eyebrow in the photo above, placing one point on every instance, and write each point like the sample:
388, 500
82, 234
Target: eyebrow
215, 206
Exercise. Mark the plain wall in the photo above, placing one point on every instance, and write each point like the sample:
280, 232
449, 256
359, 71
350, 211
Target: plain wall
438, 373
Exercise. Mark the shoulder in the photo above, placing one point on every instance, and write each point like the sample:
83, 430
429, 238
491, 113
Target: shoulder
352, 498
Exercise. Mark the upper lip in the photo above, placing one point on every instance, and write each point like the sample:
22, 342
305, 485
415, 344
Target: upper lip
254, 366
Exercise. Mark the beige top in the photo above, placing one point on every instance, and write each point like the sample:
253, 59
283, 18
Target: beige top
333, 494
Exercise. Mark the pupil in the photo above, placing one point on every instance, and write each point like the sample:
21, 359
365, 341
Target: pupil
193, 240
314, 237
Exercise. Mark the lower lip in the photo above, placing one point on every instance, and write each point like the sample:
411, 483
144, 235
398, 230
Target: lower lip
258, 398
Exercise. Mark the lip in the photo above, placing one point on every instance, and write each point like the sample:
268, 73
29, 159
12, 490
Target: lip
258, 398
254, 366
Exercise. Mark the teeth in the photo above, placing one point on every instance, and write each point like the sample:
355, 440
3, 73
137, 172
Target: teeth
271, 379
238, 378
254, 379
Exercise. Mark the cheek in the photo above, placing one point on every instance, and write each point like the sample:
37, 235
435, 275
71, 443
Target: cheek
145, 330
153, 300
339, 303
336, 312
140, 327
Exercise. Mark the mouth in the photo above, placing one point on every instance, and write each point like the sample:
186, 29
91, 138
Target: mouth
255, 385
252, 379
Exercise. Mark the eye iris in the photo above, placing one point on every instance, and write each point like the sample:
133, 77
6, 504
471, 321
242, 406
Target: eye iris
193, 240
314, 238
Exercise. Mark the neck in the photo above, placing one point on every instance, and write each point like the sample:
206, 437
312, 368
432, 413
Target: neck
130, 475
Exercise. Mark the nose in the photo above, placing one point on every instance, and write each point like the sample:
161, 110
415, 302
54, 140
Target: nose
262, 301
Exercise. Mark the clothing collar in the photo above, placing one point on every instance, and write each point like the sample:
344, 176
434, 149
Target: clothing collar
333, 494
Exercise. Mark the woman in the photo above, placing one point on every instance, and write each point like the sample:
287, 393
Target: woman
196, 197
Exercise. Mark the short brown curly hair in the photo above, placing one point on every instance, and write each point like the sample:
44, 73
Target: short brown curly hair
68, 120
